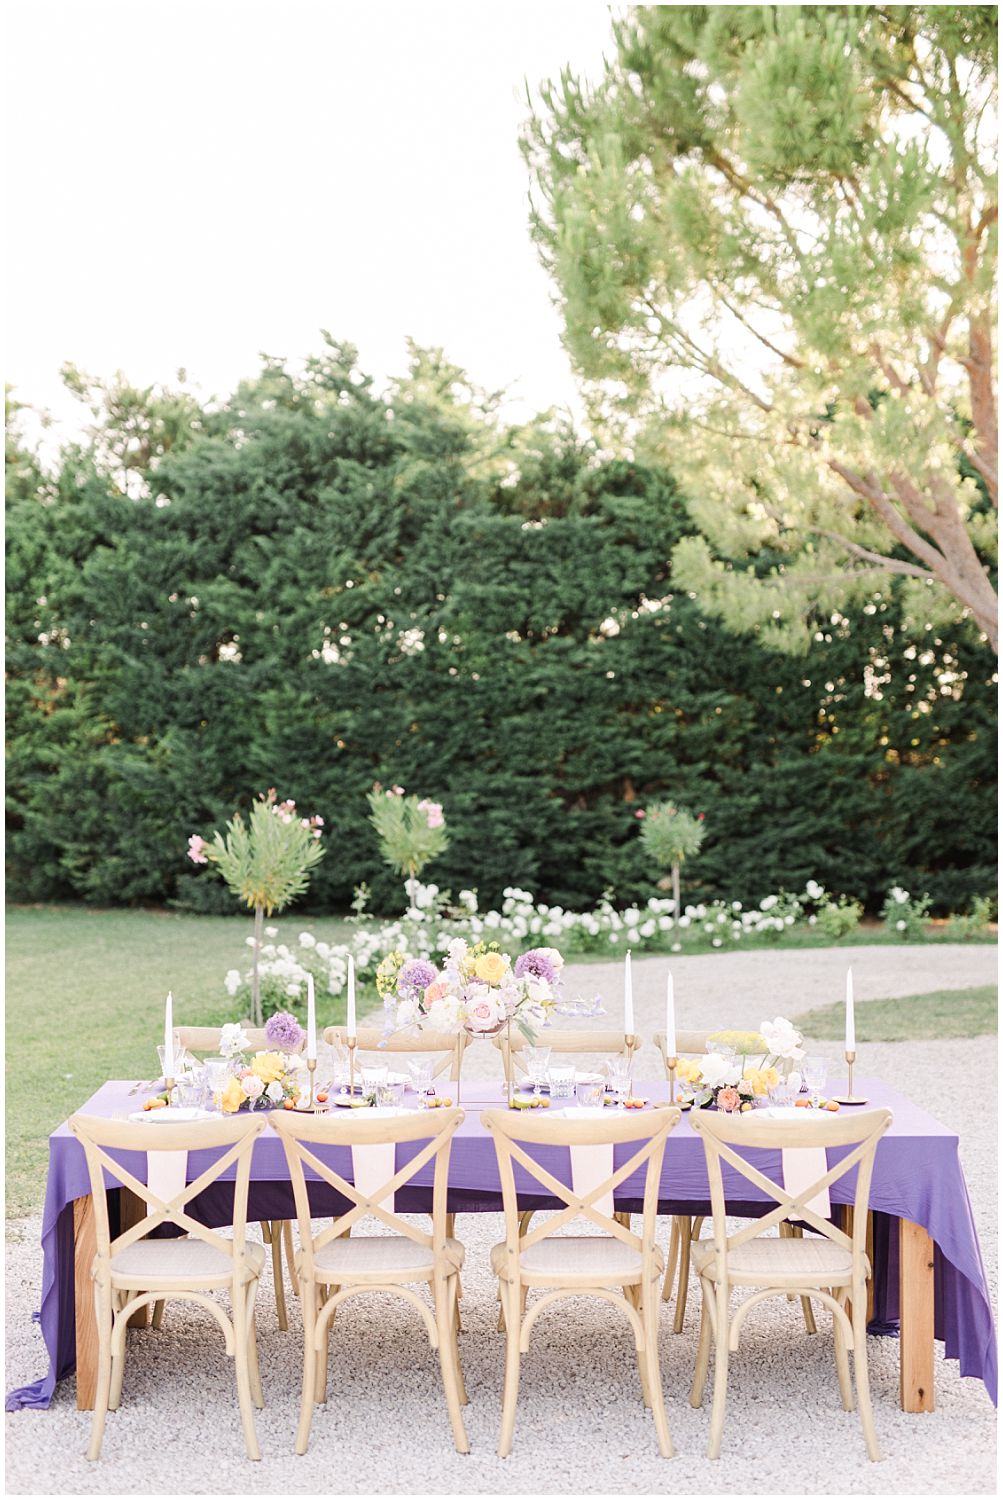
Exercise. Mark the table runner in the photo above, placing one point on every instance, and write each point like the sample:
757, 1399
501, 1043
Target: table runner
917, 1176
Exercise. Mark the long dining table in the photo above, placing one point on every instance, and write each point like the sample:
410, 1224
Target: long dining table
928, 1280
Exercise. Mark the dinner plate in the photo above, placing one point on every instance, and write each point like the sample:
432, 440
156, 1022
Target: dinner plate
173, 1115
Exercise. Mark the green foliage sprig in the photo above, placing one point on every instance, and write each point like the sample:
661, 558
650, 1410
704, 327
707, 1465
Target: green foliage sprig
267, 860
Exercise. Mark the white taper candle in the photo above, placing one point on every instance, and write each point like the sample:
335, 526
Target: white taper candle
670, 1017
628, 998
851, 1030
351, 995
311, 1019
169, 1036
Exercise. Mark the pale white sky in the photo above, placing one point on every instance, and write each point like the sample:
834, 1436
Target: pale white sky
190, 182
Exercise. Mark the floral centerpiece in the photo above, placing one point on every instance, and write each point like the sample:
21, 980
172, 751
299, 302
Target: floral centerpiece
477, 989
271, 1079
742, 1066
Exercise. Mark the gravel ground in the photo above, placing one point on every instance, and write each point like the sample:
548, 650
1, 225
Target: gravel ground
581, 1427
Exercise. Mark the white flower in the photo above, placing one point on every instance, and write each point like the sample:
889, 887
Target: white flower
232, 981
768, 903
719, 1070
293, 991
444, 1014
307, 940
232, 1039
794, 1079
814, 890
782, 1039
716, 943
457, 950
252, 1086
538, 990
275, 1092
271, 932
899, 895
251, 942
407, 1013
677, 947
900, 926
468, 900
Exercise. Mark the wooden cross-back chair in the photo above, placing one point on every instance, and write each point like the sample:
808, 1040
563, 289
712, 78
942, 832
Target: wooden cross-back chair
580, 1265
686, 1228
132, 1270
337, 1264
277, 1233
833, 1269
563, 1041
372, 1039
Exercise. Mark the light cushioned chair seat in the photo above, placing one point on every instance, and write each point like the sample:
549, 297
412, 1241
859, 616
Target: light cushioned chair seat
376, 1254
148, 1262
598, 1256
809, 1259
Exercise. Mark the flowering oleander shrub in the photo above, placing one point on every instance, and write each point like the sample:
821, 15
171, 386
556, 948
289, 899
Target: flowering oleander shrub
905, 916
411, 831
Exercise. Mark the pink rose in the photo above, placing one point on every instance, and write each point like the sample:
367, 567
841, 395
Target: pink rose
437, 990
482, 1016
729, 1100
433, 813
196, 844
639, 813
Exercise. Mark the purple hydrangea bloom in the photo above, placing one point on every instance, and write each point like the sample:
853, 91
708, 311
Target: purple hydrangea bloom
284, 1032
415, 977
535, 962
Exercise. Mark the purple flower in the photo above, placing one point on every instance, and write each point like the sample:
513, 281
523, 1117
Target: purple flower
535, 962
415, 977
284, 1032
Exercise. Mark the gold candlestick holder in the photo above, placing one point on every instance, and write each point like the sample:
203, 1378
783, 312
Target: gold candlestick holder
849, 1097
311, 1067
351, 1042
169, 1090
671, 1064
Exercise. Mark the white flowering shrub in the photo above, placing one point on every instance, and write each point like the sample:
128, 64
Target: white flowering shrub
433, 920
905, 916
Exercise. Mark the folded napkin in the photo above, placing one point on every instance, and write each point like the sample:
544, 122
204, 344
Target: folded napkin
802, 1165
372, 1166
591, 1165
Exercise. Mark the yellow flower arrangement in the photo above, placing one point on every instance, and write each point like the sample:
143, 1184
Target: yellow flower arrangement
745, 1043
233, 1097
491, 967
270, 1067
688, 1070
762, 1079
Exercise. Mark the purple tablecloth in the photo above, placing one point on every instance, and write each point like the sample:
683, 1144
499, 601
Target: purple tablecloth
917, 1176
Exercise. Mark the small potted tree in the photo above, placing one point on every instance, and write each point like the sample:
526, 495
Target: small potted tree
265, 861
412, 832
670, 836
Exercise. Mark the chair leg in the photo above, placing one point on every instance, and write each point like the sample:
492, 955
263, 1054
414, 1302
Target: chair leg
308, 1297
454, 1282
323, 1360
287, 1240
242, 1367
117, 1377
671, 1258
807, 1311
649, 1358
633, 1295
860, 1371
720, 1372
158, 1314
512, 1295
448, 1361
272, 1233
684, 1277
703, 1350
105, 1322
842, 1361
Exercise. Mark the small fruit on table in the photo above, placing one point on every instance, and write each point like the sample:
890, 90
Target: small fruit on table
159, 1101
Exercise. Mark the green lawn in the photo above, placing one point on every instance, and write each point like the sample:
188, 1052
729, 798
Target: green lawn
942, 1013
85, 1002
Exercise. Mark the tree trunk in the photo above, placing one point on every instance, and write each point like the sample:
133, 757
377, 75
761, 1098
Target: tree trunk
259, 925
675, 890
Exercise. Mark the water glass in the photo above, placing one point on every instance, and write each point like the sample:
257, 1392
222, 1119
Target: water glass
783, 1094
390, 1093
590, 1093
816, 1070
562, 1082
537, 1059
373, 1078
618, 1073
191, 1089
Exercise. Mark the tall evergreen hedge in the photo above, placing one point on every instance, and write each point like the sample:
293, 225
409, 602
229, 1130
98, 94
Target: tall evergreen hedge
317, 588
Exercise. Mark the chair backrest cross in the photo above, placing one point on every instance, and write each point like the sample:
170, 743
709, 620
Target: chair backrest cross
725, 1135
373, 1039
301, 1135
234, 1137
513, 1133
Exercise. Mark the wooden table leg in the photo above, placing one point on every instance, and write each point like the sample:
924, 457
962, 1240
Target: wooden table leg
916, 1317
84, 1251
132, 1210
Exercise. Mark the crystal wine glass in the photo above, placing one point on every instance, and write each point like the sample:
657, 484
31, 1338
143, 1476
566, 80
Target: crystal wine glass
537, 1062
816, 1070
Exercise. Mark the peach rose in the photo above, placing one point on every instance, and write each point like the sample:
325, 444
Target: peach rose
437, 990
729, 1099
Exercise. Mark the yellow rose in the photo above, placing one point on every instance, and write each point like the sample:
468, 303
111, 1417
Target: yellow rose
490, 967
268, 1066
762, 1079
232, 1097
688, 1070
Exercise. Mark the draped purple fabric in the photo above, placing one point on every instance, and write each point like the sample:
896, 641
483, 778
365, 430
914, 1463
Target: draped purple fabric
917, 1176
